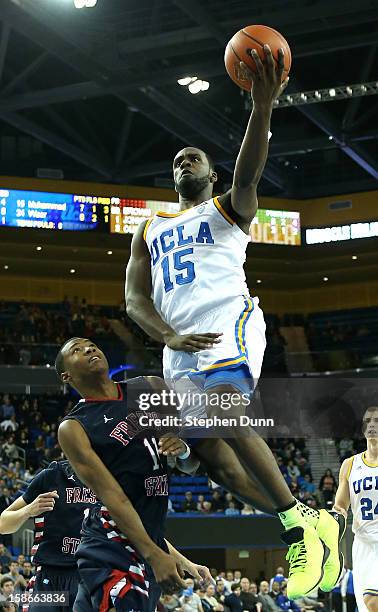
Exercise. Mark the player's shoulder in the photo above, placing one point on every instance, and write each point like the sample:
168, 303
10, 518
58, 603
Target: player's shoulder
140, 237
347, 464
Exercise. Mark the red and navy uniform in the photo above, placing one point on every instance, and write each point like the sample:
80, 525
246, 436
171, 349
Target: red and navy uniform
57, 533
113, 573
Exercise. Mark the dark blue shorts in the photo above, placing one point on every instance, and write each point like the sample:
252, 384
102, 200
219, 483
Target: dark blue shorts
56, 579
112, 573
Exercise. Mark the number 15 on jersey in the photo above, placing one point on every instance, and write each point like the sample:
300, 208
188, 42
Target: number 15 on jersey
178, 262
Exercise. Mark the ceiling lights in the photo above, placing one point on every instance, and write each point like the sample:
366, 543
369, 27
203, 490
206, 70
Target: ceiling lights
79, 4
194, 84
327, 95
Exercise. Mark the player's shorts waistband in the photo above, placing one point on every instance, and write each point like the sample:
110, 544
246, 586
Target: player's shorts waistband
236, 301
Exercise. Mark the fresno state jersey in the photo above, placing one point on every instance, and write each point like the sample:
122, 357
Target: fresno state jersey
197, 258
130, 452
363, 489
57, 533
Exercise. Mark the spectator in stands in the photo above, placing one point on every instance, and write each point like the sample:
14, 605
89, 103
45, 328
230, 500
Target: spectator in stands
237, 576
170, 603
206, 507
327, 487
189, 505
200, 501
231, 509
191, 600
285, 603
256, 597
327, 478
292, 469
246, 597
209, 597
5, 556
307, 484
217, 502
233, 601
10, 449
220, 591
275, 589
27, 570
247, 509
279, 577
19, 582
206, 606
6, 588
7, 409
268, 603
9, 424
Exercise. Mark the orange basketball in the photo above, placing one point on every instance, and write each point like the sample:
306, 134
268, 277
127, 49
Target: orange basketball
253, 37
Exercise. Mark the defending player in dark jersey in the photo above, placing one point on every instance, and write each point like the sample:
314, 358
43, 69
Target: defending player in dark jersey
123, 558
56, 499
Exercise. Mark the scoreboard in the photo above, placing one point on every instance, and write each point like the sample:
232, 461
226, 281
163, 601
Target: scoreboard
54, 211
276, 227
112, 214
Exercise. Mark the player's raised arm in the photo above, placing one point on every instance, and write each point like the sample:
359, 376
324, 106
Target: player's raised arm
250, 163
342, 498
140, 308
92, 471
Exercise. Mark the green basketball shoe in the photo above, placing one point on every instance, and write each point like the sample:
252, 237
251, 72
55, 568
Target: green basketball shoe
306, 556
330, 529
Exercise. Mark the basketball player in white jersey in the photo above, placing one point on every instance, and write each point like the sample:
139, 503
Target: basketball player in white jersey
358, 488
185, 286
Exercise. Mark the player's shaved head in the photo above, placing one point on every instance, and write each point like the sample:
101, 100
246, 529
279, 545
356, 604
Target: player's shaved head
193, 173
80, 361
59, 361
194, 150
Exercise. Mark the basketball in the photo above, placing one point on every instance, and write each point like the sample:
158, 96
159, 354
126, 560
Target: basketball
254, 37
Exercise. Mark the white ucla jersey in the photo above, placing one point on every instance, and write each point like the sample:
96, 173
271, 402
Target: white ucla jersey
197, 258
363, 489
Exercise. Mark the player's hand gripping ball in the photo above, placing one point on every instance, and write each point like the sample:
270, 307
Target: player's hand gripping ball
246, 55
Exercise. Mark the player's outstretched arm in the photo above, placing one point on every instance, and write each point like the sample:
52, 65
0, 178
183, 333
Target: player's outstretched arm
266, 87
140, 307
342, 498
92, 471
19, 511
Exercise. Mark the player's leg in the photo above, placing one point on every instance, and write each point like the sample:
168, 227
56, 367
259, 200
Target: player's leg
223, 466
368, 568
306, 529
